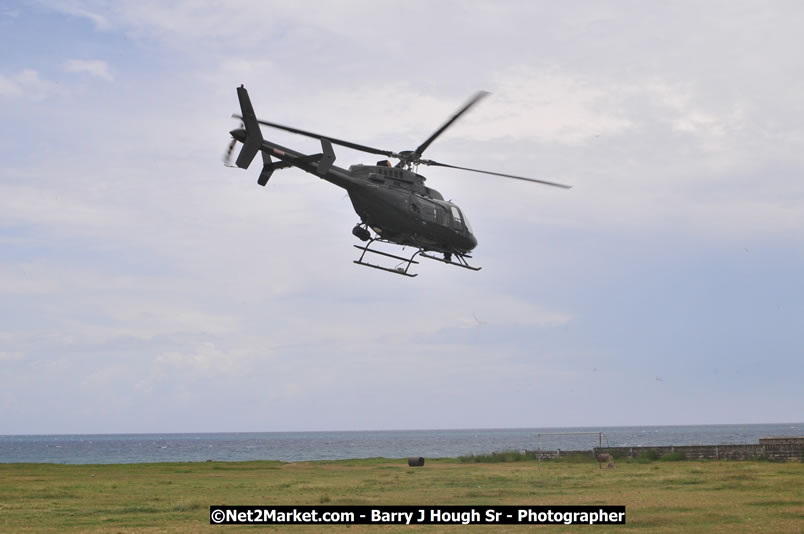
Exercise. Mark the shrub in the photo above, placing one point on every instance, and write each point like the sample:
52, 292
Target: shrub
647, 456
672, 457
495, 457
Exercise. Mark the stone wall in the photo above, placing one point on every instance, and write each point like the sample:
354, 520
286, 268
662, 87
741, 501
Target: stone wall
784, 449
781, 449
786, 440
692, 452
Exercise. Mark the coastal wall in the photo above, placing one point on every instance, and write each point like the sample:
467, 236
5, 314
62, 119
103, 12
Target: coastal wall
693, 452
781, 449
784, 449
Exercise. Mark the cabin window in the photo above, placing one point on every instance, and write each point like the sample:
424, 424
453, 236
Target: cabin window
442, 215
429, 213
425, 209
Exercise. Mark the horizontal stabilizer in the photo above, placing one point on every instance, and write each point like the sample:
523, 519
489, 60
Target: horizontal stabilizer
267, 169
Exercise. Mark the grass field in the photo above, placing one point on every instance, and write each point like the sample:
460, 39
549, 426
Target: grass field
683, 496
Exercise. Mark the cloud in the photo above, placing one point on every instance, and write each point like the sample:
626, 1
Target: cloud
132, 261
94, 67
86, 10
27, 84
56, 208
547, 107
9, 12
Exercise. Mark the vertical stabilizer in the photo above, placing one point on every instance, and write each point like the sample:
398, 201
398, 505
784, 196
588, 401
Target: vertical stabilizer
253, 133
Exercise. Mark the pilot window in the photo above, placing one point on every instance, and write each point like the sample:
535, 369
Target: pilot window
459, 220
456, 214
466, 222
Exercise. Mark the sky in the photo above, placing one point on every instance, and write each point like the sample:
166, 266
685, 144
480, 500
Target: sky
145, 287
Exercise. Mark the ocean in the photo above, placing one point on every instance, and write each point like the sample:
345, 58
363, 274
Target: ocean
306, 446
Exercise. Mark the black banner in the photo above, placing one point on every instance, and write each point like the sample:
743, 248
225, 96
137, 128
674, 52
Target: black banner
417, 515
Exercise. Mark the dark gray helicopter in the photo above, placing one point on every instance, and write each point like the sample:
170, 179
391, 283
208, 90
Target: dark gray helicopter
391, 201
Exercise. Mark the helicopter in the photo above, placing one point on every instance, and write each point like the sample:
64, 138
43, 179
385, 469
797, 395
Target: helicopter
393, 202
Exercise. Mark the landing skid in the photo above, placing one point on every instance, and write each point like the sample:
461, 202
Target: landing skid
461, 259
396, 270
460, 263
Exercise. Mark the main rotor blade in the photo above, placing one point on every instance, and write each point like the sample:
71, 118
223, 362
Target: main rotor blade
545, 182
355, 146
447, 124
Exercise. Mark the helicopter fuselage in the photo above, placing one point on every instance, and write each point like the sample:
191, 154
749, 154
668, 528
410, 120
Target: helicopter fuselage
393, 202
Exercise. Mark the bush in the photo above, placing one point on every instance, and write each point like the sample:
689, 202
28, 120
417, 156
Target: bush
495, 457
647, 456
672, 457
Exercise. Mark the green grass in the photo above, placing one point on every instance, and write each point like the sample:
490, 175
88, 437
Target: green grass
660, 497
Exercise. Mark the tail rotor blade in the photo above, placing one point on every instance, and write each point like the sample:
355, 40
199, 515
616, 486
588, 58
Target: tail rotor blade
227, 156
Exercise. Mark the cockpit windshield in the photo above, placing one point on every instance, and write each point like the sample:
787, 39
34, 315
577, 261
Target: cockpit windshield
459, 218
466, 222
456, 213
